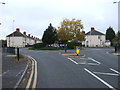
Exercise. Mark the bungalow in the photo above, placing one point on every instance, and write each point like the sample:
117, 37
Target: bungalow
94, 38
17, 39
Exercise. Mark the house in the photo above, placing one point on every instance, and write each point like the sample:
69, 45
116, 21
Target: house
3, 43
18, 39
94, 38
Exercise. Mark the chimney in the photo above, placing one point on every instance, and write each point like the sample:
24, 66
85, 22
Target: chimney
17, 29
24, 33
92, 28
28, 35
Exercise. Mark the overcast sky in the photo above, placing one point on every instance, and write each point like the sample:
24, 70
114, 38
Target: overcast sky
34, 16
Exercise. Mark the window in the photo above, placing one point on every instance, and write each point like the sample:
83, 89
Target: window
98, 37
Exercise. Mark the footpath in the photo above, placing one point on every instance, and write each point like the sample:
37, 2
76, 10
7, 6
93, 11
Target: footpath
12, 70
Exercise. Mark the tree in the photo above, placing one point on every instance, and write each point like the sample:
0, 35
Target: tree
70, 31
110, 34
116, 40
50, 35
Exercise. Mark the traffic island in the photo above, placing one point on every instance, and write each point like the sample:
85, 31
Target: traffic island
73, 55
114, 53
77, 56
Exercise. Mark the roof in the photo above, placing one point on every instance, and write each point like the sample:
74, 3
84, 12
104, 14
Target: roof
94, 32
16, 33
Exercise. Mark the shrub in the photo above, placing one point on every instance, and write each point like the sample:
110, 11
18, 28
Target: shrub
72, 45
39, 45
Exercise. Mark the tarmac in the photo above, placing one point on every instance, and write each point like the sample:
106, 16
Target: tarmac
12, 70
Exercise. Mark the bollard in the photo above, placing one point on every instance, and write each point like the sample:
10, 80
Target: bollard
115, 48
77, 50
65, 47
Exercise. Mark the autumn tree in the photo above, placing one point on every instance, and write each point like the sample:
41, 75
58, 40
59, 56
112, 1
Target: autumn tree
70, 30
50, 35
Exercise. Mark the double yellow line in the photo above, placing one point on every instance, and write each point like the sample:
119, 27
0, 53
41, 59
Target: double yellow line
33, 72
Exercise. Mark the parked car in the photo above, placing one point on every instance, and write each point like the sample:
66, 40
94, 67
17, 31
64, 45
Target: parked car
107, 43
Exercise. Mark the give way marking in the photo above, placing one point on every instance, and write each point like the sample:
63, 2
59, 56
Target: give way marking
112, 74
96, 62
101, 80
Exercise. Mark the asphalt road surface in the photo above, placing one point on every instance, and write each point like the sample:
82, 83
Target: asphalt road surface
98, 70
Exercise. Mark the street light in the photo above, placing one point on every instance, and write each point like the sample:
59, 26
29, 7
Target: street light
2, 3
116, 47
116, 2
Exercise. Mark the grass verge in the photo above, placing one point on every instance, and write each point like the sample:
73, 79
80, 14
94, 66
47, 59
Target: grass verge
21, 57
47, 48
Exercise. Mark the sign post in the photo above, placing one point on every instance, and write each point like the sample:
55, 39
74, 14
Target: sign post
18, 56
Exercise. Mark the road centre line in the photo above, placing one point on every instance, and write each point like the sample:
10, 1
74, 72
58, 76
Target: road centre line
108, 85
72, 61
106, 73
94, 60
114, 71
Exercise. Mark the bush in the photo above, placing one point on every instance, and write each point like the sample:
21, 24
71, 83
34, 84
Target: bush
51, 48
72, 45
39, 45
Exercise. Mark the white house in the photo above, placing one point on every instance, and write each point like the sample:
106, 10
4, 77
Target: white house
94, 38
18, 39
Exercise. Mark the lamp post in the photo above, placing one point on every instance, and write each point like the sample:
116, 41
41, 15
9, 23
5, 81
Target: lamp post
118, 13
118, 30
2, 3
116, 47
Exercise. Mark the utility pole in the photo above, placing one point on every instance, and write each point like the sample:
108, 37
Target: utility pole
118, 30
2, 3
13, 33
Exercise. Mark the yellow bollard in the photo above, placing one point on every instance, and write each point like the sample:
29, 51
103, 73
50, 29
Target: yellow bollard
77, 51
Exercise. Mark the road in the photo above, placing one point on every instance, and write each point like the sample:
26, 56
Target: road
99, 70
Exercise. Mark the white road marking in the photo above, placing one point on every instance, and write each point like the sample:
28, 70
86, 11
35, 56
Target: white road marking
106, 73
72, 61
114, 71
92, 64
94, 60
108, 85
11, 55
89, 63
81, 63
4, 73
19, 73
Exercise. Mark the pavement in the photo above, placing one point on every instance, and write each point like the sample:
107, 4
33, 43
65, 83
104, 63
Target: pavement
12, 70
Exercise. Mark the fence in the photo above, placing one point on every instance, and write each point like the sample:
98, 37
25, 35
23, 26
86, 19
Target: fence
8, 50
117, 48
